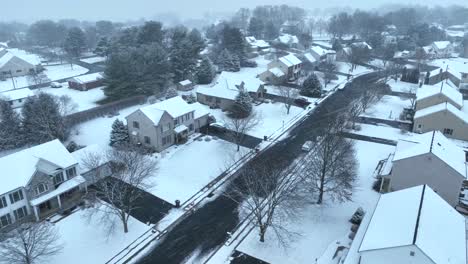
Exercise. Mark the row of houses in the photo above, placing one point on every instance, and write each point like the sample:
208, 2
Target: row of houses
43, 180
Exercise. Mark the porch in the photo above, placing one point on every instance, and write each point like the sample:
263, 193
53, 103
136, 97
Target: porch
66, 196
181, 132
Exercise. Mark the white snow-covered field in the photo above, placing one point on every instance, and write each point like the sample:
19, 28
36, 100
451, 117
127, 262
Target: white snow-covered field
83, 99
389, 107
93, 60
186, 169
321, 227
403, 87
345, 67
383, 131
87, 242
55, 72
271, 117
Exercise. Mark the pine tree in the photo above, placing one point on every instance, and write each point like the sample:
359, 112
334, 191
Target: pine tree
75, 42
42, 121
10, 127
312, 86
228, 62
256, 27
171, 92
242, 106
102, 48
119, 134
206, 72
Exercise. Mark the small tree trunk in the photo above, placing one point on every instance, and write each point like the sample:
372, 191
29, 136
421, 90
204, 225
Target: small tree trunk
262, 234
124, 222
322, 182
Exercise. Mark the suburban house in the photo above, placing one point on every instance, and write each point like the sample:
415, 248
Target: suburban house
429, 159
166, 123
257, 45
442, 49
185, 85
343, 54
289, 40
290, 65
273, 76
12, 65
86, 82
321, 54
291, 26
17, 97
464, 81
38, 182
430, 95
226, 88
414, 226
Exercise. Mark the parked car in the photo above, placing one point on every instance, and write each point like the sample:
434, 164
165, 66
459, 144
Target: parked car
218, 126
302, 102
55, 85
307, 146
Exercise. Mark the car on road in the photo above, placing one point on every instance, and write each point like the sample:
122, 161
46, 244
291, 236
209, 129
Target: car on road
307, 146
55, 85
341, 86
302, 102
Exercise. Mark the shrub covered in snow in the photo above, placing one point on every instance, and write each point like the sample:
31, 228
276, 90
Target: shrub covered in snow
242, 106
357, 216
311, 86
119, 134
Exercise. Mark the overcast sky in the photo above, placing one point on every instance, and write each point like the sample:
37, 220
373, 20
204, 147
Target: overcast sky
29, 10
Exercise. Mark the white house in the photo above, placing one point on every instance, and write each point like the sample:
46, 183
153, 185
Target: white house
290, 40
257, 44
290, 65
321, 54
17, 97
442, 49
12, 65
430, 159
414, 226
430, 95
37, 182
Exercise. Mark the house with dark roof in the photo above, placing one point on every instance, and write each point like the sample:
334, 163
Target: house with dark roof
430, 159
414, 225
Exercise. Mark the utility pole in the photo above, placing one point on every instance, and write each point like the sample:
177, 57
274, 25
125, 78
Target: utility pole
12, 80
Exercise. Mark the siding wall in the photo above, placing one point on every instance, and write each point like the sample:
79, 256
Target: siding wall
439, 121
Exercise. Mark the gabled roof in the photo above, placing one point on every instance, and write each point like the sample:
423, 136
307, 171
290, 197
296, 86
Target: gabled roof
310, 57
436, 143
276, 71
290, 60
288, 39
18, 168
175, 107
13, 60
442, 107
185, 82
447, 91
87, 78
17, 94
417, 216
441, 44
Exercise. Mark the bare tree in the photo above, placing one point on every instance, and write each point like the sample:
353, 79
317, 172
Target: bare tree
411, 91
239, 127
329, 68
289, 94
66, 105
118, 196
358, 55
353, 112
371, 96
30, 243
36, 77
270, 196
332, 168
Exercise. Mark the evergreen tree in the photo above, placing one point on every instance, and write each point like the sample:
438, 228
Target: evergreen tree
198, 43
256, 27
206, 72
102, 48
233, 40
171, 92
184, 53
10, 127
119, 134
271, 31
242, 106
228, 62
75, 42
151, 32
312, 86
42, 121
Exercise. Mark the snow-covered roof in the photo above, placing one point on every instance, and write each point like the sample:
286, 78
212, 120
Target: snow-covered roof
447, 91
17, 168
200, 110
321, 51
288, 39
257, 42
417, 216
180, 128
185, 82
436, 143
87, 78
441, 108
64, 187
11, 58
17, 94
441, 44
227, 85
290, 60
361, 44
309, 57
277, 72
24, 55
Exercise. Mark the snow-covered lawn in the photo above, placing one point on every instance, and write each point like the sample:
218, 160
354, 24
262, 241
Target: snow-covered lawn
186, 169
403, 87
321, 227
345, 67
383, 131
93, 60
83, 99
88, 242
55, 72
389, 107
271, 117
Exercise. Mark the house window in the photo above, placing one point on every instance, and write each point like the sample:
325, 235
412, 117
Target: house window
20, 213
40, 188
218, 100
209, 98
18, 71
166, 127
191, 127
3, 202
136, 124
58, 178
16, 196
71, 173
176, 121
147, 140
20, 100
167, 140
5, 220
448, 131
411, 253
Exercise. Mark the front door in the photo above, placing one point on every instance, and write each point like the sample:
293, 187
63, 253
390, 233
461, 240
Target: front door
45, 206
